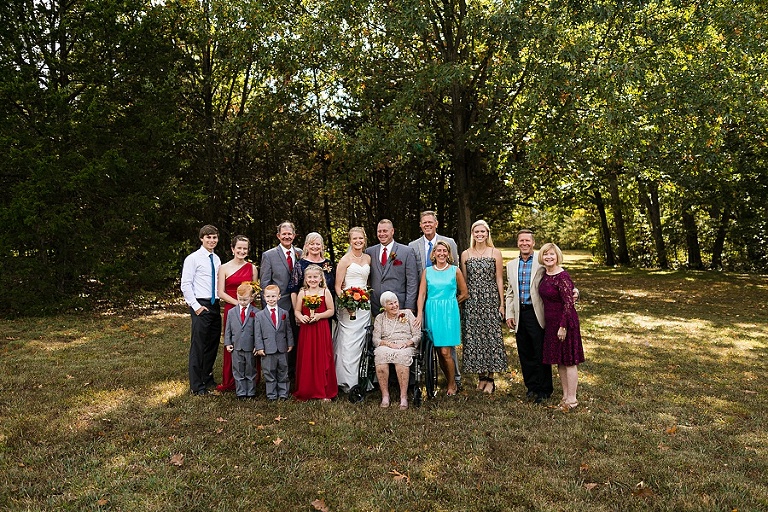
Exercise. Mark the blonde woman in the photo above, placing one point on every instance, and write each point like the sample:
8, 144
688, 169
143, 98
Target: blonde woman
483, 268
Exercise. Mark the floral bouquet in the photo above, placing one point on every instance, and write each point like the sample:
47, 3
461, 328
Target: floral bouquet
353, 299
312, 302
256, 292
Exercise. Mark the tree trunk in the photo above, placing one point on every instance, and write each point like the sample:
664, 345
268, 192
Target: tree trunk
618, 216
692, 239
610, 259
722, 231
649, 195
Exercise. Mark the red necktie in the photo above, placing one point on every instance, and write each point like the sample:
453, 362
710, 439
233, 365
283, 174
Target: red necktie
274, 318
384, 256
242, 315
289, 260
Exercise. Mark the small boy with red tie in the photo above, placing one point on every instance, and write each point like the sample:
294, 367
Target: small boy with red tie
239, 340
273, 340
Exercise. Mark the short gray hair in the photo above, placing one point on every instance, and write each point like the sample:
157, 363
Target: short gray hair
387, 297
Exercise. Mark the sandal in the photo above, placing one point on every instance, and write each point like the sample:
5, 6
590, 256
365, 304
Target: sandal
403, 405
566, 407
492, 386
384, 403
481, 380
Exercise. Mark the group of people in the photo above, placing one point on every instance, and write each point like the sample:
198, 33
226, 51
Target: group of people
308, 348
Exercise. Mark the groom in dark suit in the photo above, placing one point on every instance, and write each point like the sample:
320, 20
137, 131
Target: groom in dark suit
393, 268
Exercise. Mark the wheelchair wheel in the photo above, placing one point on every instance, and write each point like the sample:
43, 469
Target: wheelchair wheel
431, 368
356, 394
416, 399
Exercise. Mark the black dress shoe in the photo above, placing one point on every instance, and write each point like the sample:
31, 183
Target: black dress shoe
201, 392
531, 395
540, 398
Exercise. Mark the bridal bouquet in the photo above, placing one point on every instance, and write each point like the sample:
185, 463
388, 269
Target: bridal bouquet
312, 302
353, 299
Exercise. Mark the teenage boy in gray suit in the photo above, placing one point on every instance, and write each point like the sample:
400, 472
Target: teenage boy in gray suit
273, 340
393, 268
239, 341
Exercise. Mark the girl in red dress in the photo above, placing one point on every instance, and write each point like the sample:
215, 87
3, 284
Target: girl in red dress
231, 275
315, 368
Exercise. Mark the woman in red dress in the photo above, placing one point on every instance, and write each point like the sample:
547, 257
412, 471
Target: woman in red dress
231, 275
315, 368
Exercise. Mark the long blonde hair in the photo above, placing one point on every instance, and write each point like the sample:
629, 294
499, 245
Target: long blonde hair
480, 222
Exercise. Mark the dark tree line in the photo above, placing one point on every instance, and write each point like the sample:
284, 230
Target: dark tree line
636, 129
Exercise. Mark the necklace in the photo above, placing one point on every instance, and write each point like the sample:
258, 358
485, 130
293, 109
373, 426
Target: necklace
356, 257
440, 269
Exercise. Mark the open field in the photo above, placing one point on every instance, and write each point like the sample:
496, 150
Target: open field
95, 415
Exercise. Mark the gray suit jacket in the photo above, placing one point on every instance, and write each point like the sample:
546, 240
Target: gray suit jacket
269, 339
240, 335
418, 249
400, 275
513, 290
274, 270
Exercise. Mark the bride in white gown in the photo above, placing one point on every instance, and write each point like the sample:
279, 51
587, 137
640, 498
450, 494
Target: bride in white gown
348, 340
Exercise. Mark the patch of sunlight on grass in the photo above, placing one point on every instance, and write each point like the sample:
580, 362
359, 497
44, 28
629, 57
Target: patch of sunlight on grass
161, 315
53, 345
649, 322
97, 404
634, 293
163, 392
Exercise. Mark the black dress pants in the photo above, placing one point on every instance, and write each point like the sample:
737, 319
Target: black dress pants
530, 349
204, 345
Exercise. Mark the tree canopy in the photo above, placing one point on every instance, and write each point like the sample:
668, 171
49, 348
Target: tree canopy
635, 129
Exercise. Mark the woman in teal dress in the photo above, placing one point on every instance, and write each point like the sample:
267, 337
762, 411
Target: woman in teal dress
442, 289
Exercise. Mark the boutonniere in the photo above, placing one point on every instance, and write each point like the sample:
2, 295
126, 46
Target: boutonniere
401, 318
392, 255
327, 267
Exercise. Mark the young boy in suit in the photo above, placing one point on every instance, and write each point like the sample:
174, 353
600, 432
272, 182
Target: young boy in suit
239, 340
273, 340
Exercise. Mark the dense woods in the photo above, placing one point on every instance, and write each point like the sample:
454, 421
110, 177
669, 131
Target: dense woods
634, 129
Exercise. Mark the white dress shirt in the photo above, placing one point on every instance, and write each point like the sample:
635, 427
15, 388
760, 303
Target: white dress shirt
196, 277
389, 247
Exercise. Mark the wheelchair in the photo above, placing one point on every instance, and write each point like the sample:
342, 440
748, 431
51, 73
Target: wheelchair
423, 374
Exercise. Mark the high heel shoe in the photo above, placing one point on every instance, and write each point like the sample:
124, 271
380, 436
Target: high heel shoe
568, 407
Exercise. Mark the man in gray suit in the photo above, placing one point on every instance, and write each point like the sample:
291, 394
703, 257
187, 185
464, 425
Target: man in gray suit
422, 248
276, 268
393, 268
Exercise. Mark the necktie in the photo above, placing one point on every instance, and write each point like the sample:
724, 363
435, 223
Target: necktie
289, 260
242, 315
274, 318
429, 253
384, 256
213, 279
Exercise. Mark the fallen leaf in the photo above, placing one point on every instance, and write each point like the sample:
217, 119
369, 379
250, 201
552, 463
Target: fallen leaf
750, 392
277, 441
124, 327
311, 422
641, 491
221, 420
280, 418
671, 430
399, 477
21, 465
102, 502
219, 430
177, 459
69, 376
583, 467
590, 486
320, 505
260, 427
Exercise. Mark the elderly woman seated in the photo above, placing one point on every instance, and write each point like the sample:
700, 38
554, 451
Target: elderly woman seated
395, 339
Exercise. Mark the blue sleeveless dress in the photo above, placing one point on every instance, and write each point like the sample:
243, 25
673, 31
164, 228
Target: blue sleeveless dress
441, 309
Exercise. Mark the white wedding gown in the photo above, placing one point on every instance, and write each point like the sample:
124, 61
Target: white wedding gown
349, 337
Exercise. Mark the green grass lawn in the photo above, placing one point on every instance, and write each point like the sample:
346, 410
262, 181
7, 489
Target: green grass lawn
95, 415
